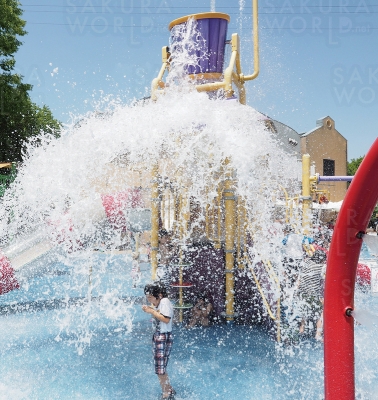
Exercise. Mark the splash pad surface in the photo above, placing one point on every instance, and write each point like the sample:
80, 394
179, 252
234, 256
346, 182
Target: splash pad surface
44, 356
215, 362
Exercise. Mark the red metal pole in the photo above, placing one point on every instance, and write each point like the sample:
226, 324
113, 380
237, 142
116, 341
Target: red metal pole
358, 205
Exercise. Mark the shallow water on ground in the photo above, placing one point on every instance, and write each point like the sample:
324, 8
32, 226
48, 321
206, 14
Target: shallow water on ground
53, 352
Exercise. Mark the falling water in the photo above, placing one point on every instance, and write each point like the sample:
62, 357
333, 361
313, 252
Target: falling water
81, 298
59, 188
365, 317
212, 5
240, 18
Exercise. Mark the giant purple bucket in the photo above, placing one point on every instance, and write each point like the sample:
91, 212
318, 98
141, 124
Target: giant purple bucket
208, 40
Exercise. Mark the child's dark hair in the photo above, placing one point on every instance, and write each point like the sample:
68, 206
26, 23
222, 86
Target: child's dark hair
163, 232
154, 289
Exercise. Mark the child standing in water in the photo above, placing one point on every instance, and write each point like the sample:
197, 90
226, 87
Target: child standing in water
162, 311
135, 270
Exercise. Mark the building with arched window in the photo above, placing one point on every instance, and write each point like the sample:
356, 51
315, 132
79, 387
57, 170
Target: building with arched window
328, 151
325, 145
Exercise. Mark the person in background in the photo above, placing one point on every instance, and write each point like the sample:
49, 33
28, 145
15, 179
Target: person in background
161, 310
311, 291
201, 312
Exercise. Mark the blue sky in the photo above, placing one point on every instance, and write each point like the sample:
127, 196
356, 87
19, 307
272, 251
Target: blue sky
318, 58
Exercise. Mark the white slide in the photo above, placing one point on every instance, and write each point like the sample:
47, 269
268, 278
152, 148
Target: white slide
26, 249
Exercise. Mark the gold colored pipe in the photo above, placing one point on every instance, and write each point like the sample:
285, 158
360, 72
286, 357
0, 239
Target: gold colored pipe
208, 87
229, 200
256, 60
241, 88
228, 74
156, 82
262, 295
219, 215
276, 318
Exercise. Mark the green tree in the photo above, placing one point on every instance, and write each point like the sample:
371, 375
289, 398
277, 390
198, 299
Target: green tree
353, 165
20, 118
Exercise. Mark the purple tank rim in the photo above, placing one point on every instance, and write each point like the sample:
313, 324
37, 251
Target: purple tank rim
208, 15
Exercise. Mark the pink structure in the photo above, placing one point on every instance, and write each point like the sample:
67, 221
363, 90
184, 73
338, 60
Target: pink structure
115, 206
357, 208
8, 281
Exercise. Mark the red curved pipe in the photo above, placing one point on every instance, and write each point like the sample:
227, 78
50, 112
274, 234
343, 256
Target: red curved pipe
358, 205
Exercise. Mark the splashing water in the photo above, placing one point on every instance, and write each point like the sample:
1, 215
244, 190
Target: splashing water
365, 317
59, 188
58, 193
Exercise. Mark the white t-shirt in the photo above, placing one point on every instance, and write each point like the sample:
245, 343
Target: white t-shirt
165, 308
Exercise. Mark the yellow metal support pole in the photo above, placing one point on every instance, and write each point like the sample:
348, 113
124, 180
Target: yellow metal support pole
209, 87
306, 194
229, 199
228, 75
218, 240
157, 82
242, 241
256, 60
265, 301
155, 205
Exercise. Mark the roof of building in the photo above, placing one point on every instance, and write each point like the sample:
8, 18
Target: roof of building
319, 124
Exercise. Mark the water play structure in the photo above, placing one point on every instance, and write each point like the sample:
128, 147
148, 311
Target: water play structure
224, 191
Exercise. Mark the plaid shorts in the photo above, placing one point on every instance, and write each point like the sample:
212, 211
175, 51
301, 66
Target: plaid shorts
162, 344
